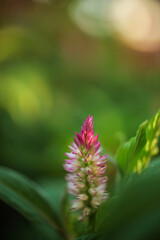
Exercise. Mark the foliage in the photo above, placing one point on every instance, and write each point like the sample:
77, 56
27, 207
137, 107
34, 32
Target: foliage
133, 203
135, 212
137, 152
27, 198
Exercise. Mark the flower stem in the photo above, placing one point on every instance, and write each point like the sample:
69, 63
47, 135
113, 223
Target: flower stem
91, 222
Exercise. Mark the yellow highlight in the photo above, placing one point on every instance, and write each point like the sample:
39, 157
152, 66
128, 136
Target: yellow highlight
155, 121
147, 146
155, 151
154, 142
139, 166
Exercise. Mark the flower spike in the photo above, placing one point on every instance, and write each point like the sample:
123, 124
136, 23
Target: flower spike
86, 180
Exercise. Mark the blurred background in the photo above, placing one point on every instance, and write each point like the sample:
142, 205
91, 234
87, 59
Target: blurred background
61, 60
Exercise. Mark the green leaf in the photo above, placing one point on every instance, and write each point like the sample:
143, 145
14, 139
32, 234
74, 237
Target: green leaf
27, 198
54, 192
135, 154
92, 236
151, 148
134, 213
128, 154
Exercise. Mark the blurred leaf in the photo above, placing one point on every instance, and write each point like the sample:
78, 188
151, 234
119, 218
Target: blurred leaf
93, 236
137, 152
54, 191
151, 148
134, 213
129, 152
27, 198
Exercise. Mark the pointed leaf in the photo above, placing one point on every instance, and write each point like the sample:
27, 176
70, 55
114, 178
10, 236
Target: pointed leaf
128, 154
27, 198
151, 148
135, 154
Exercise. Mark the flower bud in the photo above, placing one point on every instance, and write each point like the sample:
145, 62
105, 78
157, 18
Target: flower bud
86, 169
76, 205
83, 197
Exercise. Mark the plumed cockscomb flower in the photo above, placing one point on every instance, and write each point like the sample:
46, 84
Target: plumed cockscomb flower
86, 180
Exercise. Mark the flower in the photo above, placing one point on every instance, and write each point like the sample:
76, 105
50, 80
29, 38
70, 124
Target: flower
86, 180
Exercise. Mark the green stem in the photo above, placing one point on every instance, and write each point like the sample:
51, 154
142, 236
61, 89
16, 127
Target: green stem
91, 222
